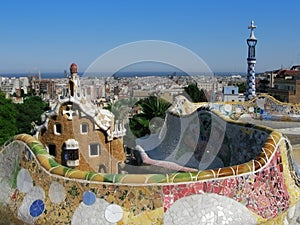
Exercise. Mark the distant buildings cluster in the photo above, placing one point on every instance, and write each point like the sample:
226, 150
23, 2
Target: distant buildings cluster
283, 84
105, 89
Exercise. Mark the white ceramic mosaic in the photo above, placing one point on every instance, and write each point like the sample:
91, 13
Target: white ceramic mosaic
26, 209
24, 181
197, 209
93, 214
57, 192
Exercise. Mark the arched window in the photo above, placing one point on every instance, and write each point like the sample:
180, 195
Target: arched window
70, 153
52, 149
102, 169
58, 129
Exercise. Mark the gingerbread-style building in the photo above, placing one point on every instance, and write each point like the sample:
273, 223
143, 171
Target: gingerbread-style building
80, 135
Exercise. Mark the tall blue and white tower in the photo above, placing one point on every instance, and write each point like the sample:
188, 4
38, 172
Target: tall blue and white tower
251, 60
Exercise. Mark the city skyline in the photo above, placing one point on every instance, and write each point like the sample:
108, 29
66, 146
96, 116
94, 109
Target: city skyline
46, 36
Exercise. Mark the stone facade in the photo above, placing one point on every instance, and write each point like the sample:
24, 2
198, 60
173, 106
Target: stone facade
110, 153
287, 86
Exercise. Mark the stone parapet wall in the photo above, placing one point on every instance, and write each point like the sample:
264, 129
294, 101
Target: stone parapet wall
268, 192
38, 190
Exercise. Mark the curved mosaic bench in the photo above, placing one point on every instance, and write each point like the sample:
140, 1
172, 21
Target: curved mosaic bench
38, 190
269, 109
48, 162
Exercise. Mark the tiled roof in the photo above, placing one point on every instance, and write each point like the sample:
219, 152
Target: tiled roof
288, 72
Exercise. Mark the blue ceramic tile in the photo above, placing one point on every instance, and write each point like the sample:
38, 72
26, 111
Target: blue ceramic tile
89, 198
37, 208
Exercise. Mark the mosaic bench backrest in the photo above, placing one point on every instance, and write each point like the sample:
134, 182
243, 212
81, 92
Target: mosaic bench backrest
204, 134
45, 192
271, 170
267, 148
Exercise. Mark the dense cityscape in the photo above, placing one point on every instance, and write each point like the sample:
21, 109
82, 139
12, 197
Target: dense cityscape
125, 119
279, 83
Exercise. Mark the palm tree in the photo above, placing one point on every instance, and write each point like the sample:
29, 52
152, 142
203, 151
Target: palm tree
121, 108
153, 112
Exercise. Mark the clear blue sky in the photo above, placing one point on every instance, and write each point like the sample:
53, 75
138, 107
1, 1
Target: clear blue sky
49, 35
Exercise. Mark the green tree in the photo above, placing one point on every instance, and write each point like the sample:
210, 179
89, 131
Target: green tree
242, 87
263, 86
121, 108
28, 112
8, 123
196, 94
150, 119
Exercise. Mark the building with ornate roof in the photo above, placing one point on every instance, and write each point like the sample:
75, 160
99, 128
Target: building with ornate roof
80, 135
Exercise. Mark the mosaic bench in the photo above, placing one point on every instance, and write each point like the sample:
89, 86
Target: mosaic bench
260, 187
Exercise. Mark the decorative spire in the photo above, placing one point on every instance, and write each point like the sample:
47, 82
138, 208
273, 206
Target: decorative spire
252, 27
251, 60
74, 81
73, 68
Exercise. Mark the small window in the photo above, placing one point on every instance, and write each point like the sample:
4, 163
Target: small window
84, 128
57, 129
94, 149
52, 149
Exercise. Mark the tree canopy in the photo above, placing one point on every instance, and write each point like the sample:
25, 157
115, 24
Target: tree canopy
242, 87
196, 94
18, 118
121, 108
153, 112
8, 122
28, 112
